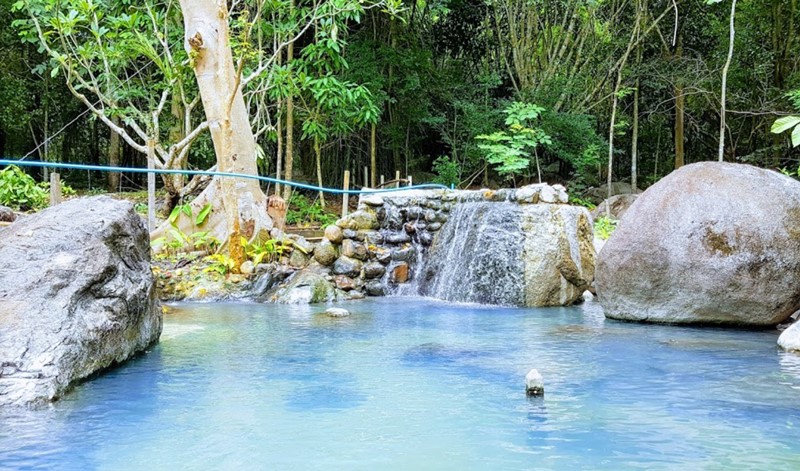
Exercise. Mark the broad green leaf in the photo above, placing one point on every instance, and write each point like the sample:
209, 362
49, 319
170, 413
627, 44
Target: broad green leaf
203, 215
173, 216
178, 236
782, 124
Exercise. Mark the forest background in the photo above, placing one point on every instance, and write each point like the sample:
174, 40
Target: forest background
461, 92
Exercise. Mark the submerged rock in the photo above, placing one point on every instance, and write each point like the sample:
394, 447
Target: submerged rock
337, 312
76, 296
304, 287
713, 243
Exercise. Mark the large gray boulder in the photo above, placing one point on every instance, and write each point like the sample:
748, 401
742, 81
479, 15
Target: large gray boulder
614, 207
598, 194
76, 296
712, 243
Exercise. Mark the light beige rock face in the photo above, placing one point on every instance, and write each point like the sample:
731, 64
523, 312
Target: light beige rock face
790, 338
712, 243
76, 296
558, 254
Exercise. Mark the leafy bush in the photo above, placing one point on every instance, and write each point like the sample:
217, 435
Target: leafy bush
19, 191
604, 227
575, 141
448, 171
303, 211
510, 150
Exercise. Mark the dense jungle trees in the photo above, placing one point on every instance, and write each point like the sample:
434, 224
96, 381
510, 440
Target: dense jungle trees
628, 89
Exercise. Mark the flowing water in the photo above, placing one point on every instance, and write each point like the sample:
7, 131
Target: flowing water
477, 256
414, 384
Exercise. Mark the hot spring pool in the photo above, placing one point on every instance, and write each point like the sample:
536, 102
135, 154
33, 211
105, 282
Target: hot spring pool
415, 384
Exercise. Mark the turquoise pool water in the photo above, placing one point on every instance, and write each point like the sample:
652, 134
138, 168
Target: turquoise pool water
415, 384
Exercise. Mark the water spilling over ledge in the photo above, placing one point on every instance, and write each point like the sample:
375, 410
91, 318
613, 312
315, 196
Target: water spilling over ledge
514, 247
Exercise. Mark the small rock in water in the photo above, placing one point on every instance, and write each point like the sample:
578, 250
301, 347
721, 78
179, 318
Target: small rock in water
534, 383
337, 312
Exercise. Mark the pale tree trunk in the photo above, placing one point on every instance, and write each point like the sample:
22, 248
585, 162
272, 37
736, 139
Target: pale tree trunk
680, 107
614, 102
635, 138
635, 127
724, 93
318, 156
289, 164
373, 156
113, 158
238, 205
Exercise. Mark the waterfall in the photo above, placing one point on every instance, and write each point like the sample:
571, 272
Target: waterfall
477, 256
505, 247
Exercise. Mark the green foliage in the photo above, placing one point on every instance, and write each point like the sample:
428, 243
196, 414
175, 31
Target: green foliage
575, 141
186, 209
302, 211
510, 150
220, 264
19, 191
448, 172
786, 123
268, 251
577, 200
604, 227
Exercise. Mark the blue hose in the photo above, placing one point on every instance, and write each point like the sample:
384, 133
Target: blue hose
103, 168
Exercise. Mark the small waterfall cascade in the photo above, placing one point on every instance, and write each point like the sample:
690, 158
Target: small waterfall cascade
511, 247
477, 257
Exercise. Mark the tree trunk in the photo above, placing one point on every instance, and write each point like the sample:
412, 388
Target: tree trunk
373, 156
724, 93
318, 156
287, 171
238, 205
635, 137
113, 158
680, 107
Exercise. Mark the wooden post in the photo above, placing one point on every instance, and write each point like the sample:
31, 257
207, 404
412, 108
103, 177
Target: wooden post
397, 179
410, 182
345, 196
55, 189
151, 186
366, 176
381, 181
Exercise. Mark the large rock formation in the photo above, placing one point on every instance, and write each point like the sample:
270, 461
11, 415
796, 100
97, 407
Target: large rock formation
76, 296
712, 243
